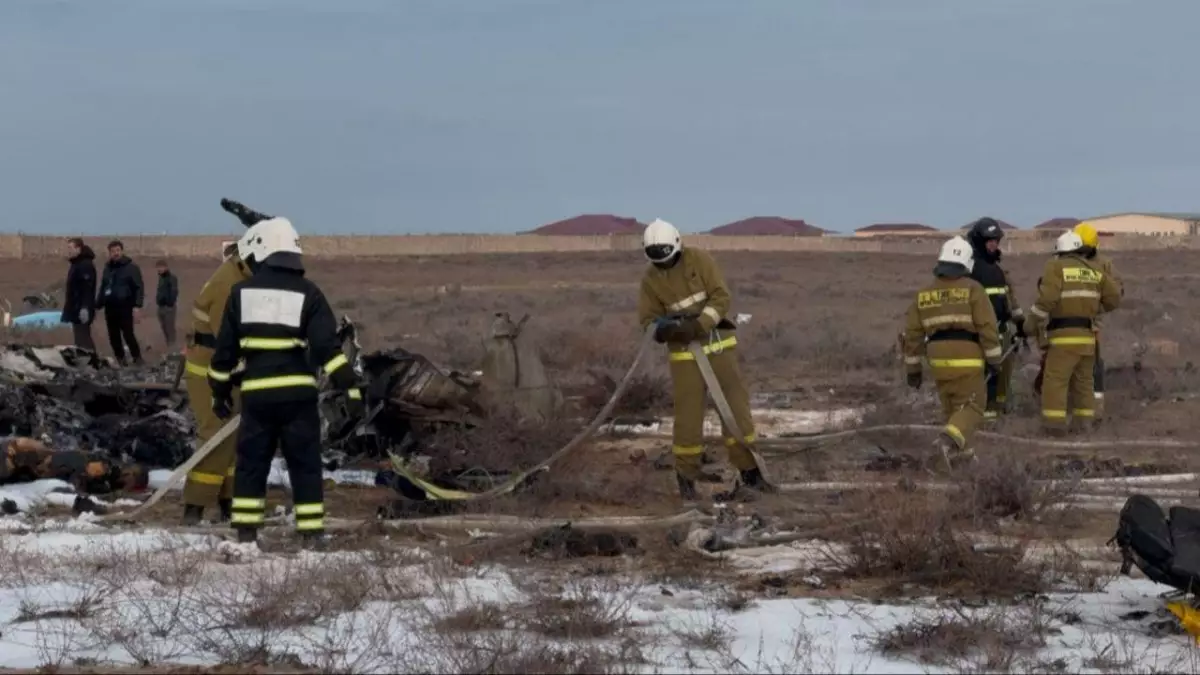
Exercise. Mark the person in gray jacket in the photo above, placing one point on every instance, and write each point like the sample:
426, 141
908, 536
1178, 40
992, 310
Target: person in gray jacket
165, 297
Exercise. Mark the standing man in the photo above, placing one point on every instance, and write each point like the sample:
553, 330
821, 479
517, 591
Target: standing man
79, 301
952, 324
1073, 291
278, 322
1091, 250
121, 297
684, 291
165, 297
984, 236
210, 483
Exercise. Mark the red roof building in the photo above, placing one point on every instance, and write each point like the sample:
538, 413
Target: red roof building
766, 226
1062, 224
894, 228
593, 225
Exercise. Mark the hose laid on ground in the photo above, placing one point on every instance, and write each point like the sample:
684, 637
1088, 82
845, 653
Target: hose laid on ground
779, 443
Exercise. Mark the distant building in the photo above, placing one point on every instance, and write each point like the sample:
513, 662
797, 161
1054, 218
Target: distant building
895, 229
767, 226
1148, 223
1057, 225
592, 225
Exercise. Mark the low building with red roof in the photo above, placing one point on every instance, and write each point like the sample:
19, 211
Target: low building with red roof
895, 229
592, 225
768, 226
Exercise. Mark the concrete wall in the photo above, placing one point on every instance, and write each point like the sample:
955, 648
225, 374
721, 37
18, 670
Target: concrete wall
1134, 223
26, 247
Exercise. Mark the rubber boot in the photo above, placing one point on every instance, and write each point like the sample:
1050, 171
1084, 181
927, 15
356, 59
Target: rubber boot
192, 515
753, 479
247, 535
226, 506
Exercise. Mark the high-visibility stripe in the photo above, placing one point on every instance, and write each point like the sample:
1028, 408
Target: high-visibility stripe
1039, 313
272, 344
687, 450
279, 382
1000, 398
335, 363
313, 509
997, 290
355, 394
243, 518
309, 524
993, 352
956, 363
1098, 394
946, 318
206, 478
248, 503
688, 301
748, 440
229, 471
953, 432
200, 315
1055, 414
195, 368
1073, 340
1083, 412
1081, 294
218, 375
990, 414
708, 349
712, 314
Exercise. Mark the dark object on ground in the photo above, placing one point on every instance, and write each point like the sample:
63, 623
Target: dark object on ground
1165, 547
568, 542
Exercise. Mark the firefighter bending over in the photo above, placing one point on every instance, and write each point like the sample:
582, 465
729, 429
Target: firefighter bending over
1073, 291
1091, 250
684, 291
273, 322
985, 235
951, 323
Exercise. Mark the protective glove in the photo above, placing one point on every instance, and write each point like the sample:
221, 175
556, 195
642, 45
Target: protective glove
222, 406
914, 380
84, 315
356, 408
691, 330
664, 328
1019, 330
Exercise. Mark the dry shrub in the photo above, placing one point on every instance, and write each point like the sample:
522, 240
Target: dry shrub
996, 640
647, 393
998, 485
581, 609
505, 441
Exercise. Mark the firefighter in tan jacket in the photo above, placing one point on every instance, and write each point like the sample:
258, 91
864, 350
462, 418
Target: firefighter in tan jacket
1072, 293
1091, 250
684, 293
211, 481
951, 324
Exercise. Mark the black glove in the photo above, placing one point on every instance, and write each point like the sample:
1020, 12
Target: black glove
992, 370
664, 328
356, 408
691, 330
914, 380
222, 405
1019, 330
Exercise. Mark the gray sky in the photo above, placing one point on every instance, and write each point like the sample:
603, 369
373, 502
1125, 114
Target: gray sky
415, 116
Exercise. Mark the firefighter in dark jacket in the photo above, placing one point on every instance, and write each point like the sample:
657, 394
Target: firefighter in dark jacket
273, 323
79, 301
985, 235
121, 297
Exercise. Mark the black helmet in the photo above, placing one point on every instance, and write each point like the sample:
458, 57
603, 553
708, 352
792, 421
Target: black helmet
986, 229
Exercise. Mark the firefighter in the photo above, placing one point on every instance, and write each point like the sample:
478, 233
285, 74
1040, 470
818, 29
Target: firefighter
1091, 250
275, 322
684, 292
1073, 291
211, 481
952, 325
984, 236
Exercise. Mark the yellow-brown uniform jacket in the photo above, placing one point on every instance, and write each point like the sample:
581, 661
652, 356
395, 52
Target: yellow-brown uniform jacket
1105, 264
693, 286
952, 324
207, 311
1072, 292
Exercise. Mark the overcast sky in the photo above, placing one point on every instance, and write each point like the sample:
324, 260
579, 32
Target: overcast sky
415, 116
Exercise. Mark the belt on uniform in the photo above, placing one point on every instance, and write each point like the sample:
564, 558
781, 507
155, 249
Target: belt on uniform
1069, 322
954, 334
205, 340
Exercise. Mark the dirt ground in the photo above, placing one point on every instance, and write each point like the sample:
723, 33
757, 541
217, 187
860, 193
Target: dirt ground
823, 329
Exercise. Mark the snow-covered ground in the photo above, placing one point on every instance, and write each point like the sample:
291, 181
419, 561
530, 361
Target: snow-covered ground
768, 422
72, 595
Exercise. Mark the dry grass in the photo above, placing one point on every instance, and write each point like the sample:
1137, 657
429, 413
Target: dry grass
994, 641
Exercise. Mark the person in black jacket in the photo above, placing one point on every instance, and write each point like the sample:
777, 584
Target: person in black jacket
79, 301
165, 296
121, 296
274, 322
985, 235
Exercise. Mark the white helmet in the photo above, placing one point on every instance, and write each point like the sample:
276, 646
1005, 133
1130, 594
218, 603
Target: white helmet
660, 241
268, 237
958, 251
1068, 242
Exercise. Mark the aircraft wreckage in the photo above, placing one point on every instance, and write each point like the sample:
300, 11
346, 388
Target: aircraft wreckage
69, 414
